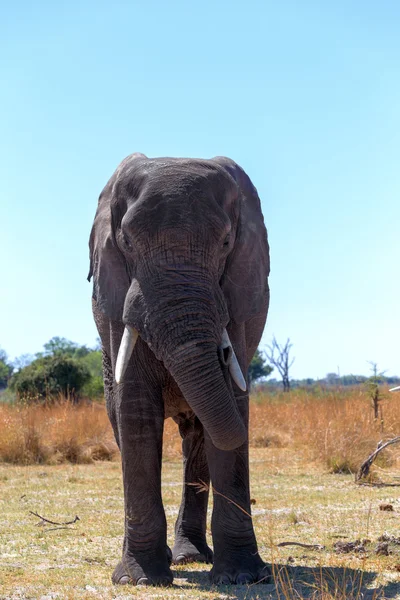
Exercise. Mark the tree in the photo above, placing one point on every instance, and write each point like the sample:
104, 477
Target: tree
63, 367
279, 357
50, 375
23, 361
332, 379
6, 369
91, 359
94, 388
258, 367
373, 389
60, 345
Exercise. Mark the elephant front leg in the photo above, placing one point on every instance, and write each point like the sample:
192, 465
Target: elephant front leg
146, 557
190, 528
236, 558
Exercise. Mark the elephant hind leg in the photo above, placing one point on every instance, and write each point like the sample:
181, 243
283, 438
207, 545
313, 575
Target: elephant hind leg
190, 528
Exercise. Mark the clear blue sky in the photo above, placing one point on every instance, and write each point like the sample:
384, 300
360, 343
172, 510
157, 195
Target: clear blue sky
304, 95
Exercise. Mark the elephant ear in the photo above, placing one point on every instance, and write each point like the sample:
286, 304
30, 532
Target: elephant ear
108, 266
245, 278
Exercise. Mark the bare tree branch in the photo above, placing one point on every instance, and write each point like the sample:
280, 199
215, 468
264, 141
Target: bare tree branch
279, 357
365, 467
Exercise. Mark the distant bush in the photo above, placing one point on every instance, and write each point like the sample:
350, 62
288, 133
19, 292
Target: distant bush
94, 388
258, 367
60, 345
5, 369
7, 396
4, 373
51, 375
63, 368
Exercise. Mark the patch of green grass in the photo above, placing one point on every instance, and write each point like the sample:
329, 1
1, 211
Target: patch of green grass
295, 501
341, 464
75, 479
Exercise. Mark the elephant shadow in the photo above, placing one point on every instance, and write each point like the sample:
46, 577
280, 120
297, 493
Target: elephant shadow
297, 583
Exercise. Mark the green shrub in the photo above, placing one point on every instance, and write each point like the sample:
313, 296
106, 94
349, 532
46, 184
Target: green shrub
94, 388
6, 369
7, 396
50, 375
258, 367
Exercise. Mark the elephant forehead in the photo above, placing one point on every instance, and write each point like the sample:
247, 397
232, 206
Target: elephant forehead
189, 179
177, 216
174, 178
170, 194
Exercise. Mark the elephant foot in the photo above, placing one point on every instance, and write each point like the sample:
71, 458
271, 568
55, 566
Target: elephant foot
186, 551
240, 570
150, 570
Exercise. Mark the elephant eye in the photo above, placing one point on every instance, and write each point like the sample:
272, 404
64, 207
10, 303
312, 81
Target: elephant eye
126, 243
227, 240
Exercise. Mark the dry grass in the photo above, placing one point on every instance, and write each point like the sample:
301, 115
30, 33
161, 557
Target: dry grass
56, 433
333, 427
296, 440
295, 501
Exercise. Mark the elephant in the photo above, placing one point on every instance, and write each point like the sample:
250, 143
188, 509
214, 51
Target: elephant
179, 258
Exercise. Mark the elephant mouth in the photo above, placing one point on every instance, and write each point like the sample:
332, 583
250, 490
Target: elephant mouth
225, 350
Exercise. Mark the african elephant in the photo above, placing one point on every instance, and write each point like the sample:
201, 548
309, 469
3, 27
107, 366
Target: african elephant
180, 261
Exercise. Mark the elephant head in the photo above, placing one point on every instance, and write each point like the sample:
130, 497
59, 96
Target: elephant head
178, 249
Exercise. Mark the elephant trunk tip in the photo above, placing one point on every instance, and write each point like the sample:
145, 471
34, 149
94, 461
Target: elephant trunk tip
229, 444
231, 439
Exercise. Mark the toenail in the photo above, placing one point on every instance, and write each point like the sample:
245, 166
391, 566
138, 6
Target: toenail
125, 580
142, 581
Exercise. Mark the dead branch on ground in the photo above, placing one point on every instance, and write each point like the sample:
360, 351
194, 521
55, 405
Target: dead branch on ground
308, 546
44, 520
366, 465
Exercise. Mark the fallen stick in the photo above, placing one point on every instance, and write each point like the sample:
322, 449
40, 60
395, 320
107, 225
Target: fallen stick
365, 467
54, 522
308, 546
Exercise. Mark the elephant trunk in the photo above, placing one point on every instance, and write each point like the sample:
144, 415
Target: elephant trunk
199, 376
185, 333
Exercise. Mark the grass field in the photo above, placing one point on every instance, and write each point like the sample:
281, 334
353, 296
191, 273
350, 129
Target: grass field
297, 443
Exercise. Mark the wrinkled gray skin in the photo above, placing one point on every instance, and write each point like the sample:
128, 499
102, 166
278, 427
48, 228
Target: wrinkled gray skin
179, 251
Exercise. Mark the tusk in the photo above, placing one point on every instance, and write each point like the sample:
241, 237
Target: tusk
236, 373
395, 389
128, 342
234, 367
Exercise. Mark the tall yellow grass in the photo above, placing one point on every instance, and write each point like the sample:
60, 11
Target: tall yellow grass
55, 433
335, 427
